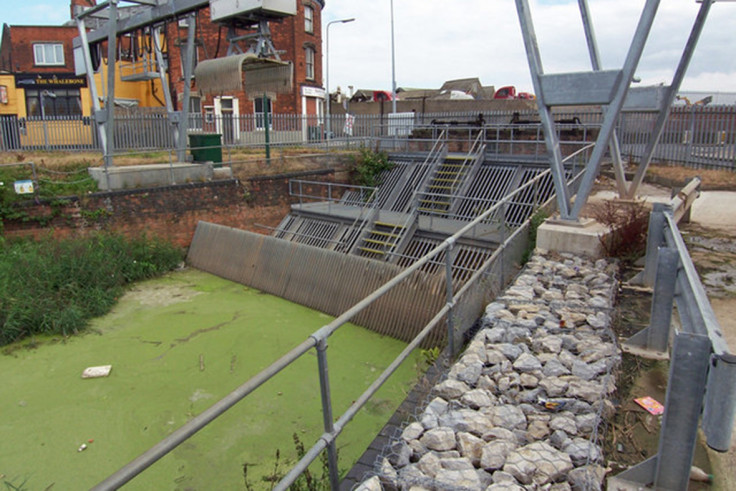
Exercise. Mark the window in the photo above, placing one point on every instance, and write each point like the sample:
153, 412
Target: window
48, 54
258, 104
310, 62
195, 104
195, 113
308, 18
53, 103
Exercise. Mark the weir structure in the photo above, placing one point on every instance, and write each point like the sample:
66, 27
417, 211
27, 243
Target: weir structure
428, 299
444, 231
341, 242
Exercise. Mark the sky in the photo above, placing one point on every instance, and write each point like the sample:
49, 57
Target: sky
439, 40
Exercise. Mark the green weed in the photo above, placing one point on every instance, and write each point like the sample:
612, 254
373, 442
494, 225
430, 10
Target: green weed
55, 287
368, 166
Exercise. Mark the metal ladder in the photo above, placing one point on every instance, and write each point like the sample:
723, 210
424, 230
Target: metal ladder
449, 177
382, 239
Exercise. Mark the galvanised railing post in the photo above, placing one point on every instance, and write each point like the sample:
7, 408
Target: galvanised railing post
658, 332
655, 238
324, 386
683, 402
329, 197
719, 412
449, 257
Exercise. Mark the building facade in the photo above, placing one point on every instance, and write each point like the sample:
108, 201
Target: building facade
38, 81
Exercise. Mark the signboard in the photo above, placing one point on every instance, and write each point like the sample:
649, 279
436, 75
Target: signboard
24, 187
313, 92
349, 123
49, 81
3, 94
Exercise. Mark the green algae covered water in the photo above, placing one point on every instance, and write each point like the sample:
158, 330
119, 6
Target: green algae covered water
177, 345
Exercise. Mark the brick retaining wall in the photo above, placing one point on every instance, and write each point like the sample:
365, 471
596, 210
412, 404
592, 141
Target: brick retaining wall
171, 211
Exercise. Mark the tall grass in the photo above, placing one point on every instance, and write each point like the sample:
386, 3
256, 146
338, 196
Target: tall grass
56, 287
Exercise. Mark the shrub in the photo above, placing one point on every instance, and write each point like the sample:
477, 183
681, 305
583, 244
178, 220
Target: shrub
368, 166
628, 223
56, 287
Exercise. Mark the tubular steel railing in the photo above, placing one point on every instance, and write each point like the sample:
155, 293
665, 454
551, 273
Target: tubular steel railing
463, 306
365, 200
702, 369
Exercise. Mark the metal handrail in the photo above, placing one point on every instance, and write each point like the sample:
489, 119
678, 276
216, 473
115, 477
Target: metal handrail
370, 203
299, 193
297, 234
457, 196
435, 156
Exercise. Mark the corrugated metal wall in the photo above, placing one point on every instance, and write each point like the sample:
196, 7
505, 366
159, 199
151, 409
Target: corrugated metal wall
321, 279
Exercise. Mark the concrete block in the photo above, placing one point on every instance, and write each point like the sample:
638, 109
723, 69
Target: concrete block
150, 175
583, 237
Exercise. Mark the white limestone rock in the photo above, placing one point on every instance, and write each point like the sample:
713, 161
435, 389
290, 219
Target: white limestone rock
470, 446
538, 463
429, 464
477, 398
565, 423
440, 439
467, 420
494, 454
372, 484
527, 363
452, 479
509, 417
413, 431
587, 478
451, 388
582, 451
553, 368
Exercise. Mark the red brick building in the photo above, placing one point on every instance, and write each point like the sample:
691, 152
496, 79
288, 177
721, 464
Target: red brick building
37, 52
38, 67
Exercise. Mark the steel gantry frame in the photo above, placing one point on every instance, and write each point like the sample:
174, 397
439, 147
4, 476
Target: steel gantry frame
151, 13
155, 14
607, 88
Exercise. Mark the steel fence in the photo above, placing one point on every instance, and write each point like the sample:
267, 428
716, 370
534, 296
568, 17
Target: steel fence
702, 369
698, 136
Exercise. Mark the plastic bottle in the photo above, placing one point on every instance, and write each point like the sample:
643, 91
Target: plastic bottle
698, 474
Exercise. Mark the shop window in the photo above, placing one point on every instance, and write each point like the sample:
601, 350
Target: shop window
53, 103
48, 54
258, 104
308, 18
309, 62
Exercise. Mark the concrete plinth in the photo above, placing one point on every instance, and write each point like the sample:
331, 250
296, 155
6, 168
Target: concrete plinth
583, 237
151, 175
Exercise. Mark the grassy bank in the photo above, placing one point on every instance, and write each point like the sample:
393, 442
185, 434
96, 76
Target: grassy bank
56, 287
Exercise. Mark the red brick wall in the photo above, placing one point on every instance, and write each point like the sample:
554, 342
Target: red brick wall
18, 56
168, 212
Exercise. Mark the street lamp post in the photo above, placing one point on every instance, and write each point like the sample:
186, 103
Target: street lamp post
393, 63
327, 71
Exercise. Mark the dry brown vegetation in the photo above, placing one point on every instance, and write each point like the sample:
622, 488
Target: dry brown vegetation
245, 162
678, 175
